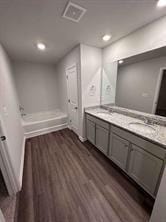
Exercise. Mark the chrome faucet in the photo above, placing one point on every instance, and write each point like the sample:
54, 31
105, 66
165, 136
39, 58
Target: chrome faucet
111, 110
148, 121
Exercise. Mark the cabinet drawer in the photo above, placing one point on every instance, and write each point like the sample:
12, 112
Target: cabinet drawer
99, 122
144, 144
92, 118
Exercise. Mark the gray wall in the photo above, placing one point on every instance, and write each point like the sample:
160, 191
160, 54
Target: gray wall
37, 86
10, 117
136, 84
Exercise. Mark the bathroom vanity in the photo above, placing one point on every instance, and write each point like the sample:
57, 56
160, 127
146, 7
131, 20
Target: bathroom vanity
138, 148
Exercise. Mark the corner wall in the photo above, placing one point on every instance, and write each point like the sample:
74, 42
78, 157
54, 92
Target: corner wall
91, 67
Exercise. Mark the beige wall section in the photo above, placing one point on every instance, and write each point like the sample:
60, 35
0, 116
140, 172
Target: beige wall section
10, 117
37, 86
144, 39
159, 210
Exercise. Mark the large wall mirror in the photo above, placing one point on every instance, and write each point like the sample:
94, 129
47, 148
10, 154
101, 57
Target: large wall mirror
137, 82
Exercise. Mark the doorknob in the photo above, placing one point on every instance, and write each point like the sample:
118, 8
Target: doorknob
3, 138
76, 107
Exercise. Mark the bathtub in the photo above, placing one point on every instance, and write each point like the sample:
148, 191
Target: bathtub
44, 122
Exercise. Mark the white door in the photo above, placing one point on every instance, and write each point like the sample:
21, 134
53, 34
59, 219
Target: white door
5, 164
72, 88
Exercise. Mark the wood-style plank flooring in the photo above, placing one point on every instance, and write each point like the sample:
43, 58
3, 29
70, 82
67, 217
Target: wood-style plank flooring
68, 181
7, 203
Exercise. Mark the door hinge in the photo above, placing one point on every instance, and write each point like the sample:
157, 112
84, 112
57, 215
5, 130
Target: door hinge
68, 100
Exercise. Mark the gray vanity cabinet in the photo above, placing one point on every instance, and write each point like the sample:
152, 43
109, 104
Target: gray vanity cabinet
145, 168
97, 132
102, 137
142, 160
118, 150
90, 131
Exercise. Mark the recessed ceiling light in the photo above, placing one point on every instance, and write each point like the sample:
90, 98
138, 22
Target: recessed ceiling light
41, 46
106, 38
161, 3
121, 61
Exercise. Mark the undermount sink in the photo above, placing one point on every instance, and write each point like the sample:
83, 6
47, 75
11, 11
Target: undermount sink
142, 127
103, 114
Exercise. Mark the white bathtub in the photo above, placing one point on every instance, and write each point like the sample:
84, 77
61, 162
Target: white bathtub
44, 122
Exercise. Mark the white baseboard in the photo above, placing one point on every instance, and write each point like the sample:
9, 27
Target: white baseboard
22, 163
82, 139
33, 134
45, 130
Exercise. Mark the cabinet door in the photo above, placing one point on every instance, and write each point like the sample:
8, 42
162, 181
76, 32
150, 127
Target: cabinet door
118, 150
145, 169
90, 131
102, 137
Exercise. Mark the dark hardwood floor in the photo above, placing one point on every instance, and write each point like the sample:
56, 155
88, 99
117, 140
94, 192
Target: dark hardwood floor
68, 181
7, 203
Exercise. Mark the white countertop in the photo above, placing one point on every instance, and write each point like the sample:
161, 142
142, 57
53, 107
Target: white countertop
123, 121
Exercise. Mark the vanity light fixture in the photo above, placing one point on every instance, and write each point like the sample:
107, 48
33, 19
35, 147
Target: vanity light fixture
106, 38
121, 61
161, 3
41, 46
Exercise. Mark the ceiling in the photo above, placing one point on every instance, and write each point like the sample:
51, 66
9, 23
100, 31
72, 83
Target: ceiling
24, 22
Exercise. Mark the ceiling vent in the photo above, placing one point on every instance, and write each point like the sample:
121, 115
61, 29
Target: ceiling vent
73, 12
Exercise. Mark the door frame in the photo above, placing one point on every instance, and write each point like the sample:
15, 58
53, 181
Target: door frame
6, 167
68, 105
157, 90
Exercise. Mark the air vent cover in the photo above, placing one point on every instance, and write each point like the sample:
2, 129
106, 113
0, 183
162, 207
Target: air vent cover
73, 12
